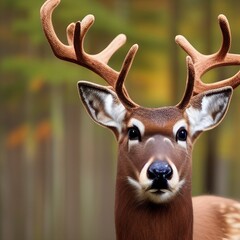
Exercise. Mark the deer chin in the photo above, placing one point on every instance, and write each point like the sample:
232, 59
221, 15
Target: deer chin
146, 192
159, 196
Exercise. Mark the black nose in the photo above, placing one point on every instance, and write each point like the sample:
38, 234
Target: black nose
159, 170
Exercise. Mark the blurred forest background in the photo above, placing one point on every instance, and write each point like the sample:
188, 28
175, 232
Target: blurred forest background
57, 168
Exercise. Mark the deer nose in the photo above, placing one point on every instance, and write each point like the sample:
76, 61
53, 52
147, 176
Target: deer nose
160, 170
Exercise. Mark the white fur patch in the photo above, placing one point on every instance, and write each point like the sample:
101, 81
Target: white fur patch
140, 126
232, 219
212, 110
144, 181
117, 112
149, 141
167, 140
134, 183
132, 143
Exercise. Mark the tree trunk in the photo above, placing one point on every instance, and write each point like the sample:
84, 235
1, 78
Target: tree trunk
212, 136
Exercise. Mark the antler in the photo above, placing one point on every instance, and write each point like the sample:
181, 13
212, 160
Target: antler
74, 51
203, 63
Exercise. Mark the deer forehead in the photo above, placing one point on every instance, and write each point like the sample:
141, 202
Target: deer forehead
155, 121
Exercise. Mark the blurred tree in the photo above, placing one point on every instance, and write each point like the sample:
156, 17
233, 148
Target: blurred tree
176, 84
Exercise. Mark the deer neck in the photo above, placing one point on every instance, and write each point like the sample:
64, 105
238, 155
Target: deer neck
140, 220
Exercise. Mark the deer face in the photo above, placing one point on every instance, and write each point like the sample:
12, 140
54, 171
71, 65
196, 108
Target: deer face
157, 153
155, 145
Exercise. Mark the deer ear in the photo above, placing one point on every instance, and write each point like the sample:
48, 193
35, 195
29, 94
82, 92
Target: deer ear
102, 104
206, 110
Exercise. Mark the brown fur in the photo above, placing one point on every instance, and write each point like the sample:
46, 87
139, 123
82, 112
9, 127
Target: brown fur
140, 220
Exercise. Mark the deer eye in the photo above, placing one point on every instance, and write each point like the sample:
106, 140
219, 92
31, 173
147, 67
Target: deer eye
134, 133
181, 134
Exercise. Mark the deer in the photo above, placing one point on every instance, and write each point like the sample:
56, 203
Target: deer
153, 198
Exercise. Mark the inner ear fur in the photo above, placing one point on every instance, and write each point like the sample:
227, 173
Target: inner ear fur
102, 104
208, 109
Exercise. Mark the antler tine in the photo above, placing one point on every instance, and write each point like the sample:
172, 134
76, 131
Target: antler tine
188, 48
203, 63
189, 84
119, 86
74, 51
116, 43
70, 33
226, 36
59, 49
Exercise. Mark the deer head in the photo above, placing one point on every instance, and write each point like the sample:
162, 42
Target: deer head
155, 144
